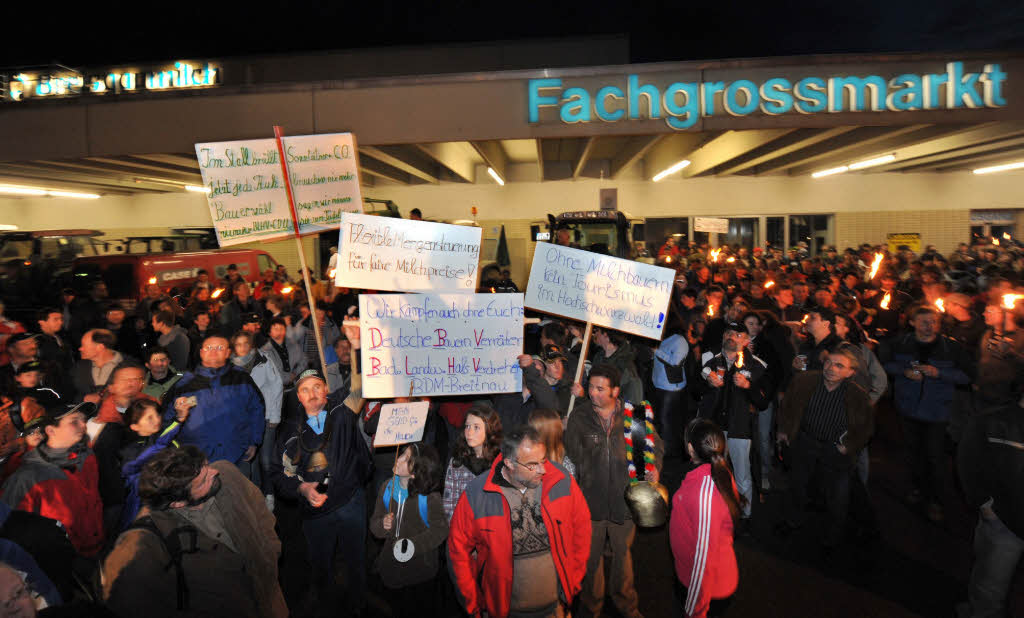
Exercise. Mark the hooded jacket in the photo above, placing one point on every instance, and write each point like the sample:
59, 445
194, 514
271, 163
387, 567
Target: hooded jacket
228, 416
483, 522
63, 486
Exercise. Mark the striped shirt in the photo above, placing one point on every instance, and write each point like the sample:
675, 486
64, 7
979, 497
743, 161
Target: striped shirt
825, 416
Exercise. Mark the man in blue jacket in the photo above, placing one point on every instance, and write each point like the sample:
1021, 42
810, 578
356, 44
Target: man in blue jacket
926, 367
227, 417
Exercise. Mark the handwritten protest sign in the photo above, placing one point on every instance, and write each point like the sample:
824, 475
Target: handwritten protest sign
401, 423
246, 190
440, 344
608, 291
382, 253
324, 177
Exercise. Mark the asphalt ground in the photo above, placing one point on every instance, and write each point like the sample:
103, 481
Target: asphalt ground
915, 568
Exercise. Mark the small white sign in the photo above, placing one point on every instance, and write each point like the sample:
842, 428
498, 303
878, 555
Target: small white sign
440, 344
707, 224
608, 291
401, 423
383, 253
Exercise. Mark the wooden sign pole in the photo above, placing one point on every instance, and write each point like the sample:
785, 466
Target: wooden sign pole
302, 254
579, 366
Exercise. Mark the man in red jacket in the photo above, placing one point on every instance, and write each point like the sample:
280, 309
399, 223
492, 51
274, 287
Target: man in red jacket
530, 526
59, 479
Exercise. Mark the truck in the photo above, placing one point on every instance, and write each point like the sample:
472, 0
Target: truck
600, 231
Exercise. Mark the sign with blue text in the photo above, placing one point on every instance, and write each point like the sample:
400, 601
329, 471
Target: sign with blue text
247, 195
401, 423
611, 292
383, 253
440, 344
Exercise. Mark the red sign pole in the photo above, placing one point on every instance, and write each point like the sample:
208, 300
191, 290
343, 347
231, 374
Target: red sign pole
302, 253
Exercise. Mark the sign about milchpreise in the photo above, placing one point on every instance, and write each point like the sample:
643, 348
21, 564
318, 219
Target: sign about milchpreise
682, 104
246, 190
382, 253
401, 423
608, 291
440, 344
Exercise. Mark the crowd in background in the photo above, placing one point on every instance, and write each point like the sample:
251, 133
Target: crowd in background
164, 436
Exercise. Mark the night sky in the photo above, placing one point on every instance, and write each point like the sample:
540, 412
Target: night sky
87, 35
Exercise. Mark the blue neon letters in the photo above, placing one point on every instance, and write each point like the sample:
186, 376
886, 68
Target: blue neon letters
682, 104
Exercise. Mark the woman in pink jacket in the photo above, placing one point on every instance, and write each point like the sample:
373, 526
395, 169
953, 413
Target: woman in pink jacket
703, 512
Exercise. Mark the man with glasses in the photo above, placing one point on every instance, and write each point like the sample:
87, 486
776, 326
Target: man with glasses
227, 417
595, 441
529, 524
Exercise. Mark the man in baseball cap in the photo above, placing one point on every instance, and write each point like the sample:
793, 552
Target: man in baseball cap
323, 461
59, 479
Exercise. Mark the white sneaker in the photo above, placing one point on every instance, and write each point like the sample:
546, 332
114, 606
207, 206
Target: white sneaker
270, 502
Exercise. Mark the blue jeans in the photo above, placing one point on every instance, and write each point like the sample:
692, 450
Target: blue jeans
997, 550
343, 530
739, 453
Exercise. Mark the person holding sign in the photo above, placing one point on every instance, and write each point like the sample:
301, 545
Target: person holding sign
323, 461
595, 440
409, 517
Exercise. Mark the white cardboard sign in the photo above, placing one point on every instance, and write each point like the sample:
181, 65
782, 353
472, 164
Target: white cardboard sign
383, 253
246, 190
401, 423
608, 291
440, 344
709, 224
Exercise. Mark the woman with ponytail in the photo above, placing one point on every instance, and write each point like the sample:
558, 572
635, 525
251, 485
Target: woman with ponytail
703, 513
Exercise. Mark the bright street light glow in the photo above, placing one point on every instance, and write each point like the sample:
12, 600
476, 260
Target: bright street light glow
1000, 168
671, 170
32, 191
495, 176
859, 165
835, 170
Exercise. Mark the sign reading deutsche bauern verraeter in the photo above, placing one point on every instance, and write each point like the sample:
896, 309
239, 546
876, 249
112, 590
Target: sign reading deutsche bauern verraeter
440, 344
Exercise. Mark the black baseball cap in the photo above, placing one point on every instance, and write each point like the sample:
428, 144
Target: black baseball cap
19, 337
29, 366
737, 327
551, 352
309, 373
54, 414
249, 318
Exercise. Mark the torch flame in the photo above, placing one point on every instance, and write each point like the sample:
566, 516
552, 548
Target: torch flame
739, 359
730, 259
885, 301
286, 289
711, 311
941, 306
804, 321
875, 264
714, 254
216, 293
332, 272
768, 284
1006, 235
1010, 299
995, 241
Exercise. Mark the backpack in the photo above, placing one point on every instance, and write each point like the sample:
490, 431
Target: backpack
172, 545
386, 497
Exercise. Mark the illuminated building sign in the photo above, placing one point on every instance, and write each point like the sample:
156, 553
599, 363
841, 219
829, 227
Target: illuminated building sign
69, 83
682, 104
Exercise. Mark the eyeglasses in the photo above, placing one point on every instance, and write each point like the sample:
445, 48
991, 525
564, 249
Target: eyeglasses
534, 467
214, 348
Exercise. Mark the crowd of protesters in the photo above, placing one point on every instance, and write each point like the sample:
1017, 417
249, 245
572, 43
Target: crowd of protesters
145, 450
